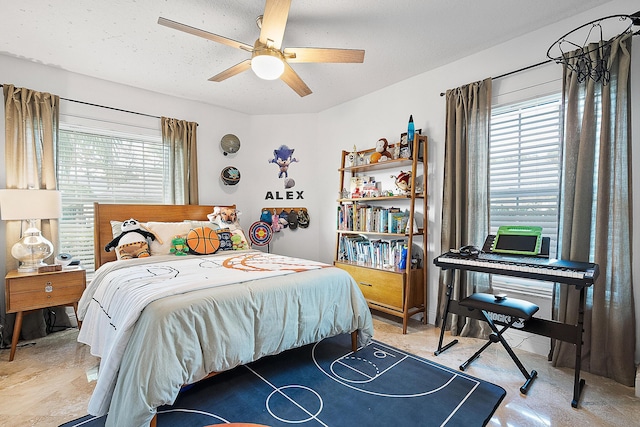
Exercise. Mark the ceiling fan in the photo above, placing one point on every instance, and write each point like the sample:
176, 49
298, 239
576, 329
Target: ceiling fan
268, 60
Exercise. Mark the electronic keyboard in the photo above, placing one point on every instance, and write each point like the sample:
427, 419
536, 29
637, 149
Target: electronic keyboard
576, 273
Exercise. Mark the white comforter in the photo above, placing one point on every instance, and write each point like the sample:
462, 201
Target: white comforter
121, 291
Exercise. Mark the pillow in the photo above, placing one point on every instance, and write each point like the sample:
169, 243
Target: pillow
224, 235
116, 228
203, 241
195, 223
239, 240
227, 217
165, 232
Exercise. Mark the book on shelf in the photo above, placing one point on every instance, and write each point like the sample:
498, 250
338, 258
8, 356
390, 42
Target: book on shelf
372, 219
394, 219
345, 217
379, 253
398, 222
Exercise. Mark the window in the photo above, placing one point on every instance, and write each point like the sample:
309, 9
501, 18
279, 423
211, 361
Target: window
524, 173
104, 166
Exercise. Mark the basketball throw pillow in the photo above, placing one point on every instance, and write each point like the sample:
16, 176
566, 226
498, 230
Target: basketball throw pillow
203, 241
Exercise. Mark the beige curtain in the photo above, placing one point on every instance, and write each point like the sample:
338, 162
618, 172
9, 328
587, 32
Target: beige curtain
465, 201
180, 137
597, 213
31, 132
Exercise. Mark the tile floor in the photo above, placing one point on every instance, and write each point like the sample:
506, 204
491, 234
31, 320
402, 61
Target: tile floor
51, 379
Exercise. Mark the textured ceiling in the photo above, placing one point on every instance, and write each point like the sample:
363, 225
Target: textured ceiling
121, 41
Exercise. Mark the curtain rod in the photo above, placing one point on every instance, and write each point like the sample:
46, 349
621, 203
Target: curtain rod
104, 106
514, 71
110, 108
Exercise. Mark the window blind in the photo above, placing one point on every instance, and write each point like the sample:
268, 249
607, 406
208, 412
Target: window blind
107, 167
524, 173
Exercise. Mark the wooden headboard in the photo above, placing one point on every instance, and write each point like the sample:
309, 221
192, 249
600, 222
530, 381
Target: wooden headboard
105, 213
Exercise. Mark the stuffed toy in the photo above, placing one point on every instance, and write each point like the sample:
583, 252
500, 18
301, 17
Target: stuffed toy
227, 218
132, 241
403, 181
239, 242
179, 246
224, 217
382, 152
275, 223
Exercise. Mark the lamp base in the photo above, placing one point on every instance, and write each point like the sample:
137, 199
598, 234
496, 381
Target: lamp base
30, 268
31, 250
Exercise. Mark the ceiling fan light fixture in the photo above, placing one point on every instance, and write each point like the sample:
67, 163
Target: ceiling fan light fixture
267, 64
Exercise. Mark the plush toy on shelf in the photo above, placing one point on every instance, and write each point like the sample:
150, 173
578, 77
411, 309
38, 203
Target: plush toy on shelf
382, 152
403, 181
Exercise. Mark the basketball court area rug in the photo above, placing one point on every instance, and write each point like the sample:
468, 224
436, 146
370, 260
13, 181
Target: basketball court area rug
327, 385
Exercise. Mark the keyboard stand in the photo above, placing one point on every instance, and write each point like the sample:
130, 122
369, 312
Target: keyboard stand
548, 328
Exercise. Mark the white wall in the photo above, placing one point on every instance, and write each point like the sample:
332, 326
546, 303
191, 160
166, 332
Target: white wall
297, 132
319, 138
384, 114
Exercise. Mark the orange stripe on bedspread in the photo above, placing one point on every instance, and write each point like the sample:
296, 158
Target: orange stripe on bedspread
269, 262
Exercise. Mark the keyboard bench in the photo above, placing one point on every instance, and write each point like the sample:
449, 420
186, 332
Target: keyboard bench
515, 309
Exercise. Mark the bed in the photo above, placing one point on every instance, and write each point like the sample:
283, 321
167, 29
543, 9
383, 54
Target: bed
161, 322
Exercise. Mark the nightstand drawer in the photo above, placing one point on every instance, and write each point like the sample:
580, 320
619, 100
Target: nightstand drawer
26, 292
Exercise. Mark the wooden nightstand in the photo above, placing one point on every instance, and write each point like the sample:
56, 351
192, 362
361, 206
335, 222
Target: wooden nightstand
25, 292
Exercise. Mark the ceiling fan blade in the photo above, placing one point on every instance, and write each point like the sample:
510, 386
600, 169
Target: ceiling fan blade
294, 81
230, 72
311, 54
205, 34
274, 20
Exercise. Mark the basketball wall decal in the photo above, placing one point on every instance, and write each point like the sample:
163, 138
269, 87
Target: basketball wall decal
230, 144
230, 175
203, 241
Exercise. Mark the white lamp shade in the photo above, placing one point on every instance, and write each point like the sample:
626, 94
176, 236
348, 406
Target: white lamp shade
267, 65
18, 204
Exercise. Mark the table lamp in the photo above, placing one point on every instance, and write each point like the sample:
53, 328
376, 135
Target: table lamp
15, 204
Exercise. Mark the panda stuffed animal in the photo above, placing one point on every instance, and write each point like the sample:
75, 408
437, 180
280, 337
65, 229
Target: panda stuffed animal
132, 242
